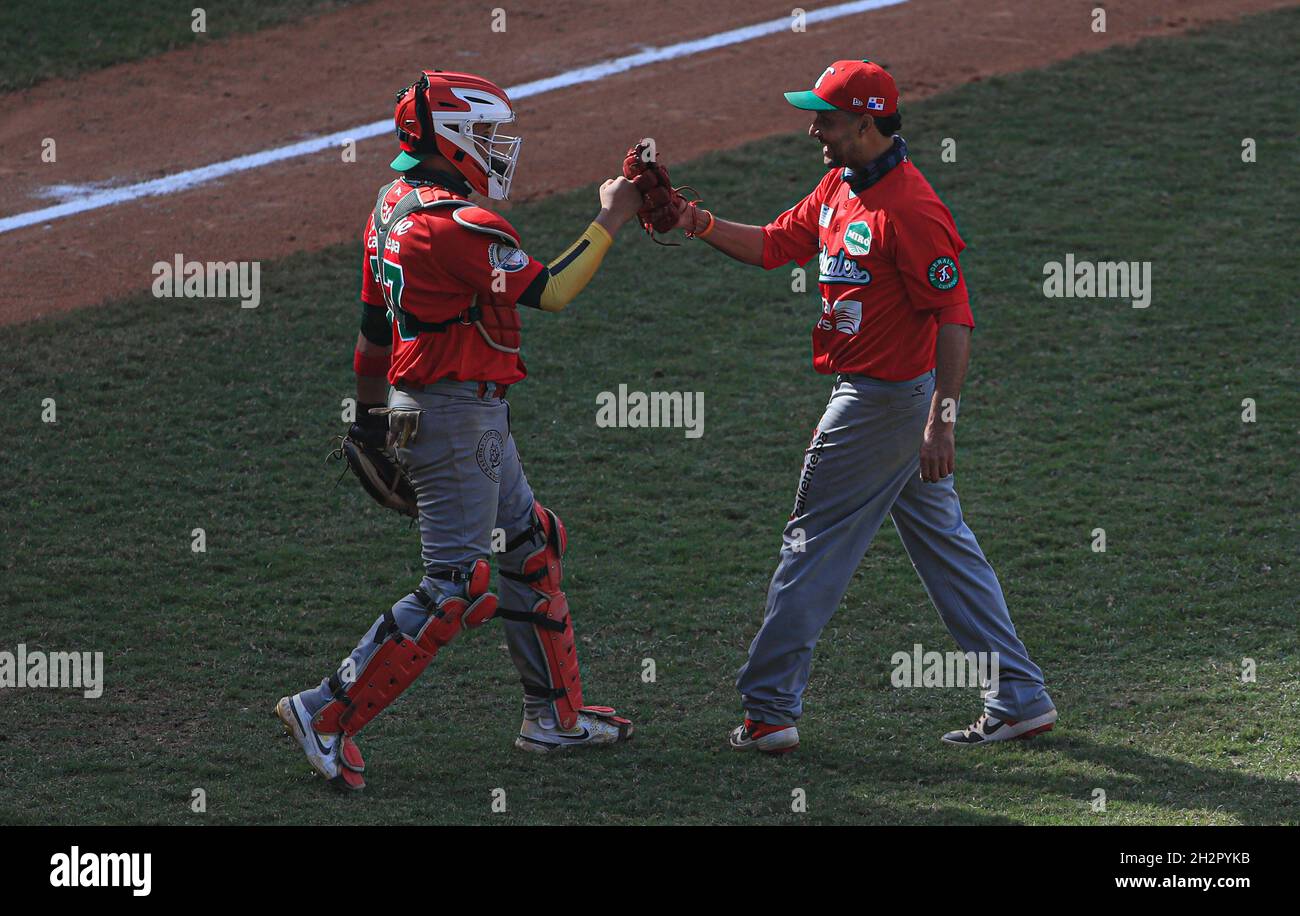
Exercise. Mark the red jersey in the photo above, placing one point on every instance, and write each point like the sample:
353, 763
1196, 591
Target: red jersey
435, 268
888, 271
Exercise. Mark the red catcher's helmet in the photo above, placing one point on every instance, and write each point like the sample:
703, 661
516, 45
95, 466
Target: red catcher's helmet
458, 115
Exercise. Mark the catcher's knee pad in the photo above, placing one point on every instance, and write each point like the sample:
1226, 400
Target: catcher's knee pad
400, 658
540, 569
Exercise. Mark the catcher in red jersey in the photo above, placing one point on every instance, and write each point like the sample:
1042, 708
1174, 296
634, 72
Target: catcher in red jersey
439, 345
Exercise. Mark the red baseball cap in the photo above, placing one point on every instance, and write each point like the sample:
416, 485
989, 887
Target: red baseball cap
850, 85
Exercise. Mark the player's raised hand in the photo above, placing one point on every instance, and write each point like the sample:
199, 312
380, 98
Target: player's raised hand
620, 199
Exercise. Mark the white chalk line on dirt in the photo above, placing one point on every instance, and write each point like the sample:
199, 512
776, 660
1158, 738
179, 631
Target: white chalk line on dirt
183, 181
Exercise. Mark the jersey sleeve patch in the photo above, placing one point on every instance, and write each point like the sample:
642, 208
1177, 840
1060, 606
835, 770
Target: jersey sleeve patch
506, 258
943, 273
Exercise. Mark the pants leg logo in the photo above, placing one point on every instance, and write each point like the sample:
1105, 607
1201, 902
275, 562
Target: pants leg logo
489, 455
812, 458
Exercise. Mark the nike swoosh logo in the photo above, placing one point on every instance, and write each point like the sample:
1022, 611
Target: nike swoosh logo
583, 737
307, 729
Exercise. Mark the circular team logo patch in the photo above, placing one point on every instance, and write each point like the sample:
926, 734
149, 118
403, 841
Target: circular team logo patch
943, 273
857, 239
503, 257
489, 455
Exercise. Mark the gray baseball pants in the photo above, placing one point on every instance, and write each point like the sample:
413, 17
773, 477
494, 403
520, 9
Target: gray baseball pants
863, 463
468, 480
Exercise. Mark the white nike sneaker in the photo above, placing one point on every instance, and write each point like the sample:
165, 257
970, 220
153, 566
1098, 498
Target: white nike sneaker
541, 734
987, 729
324, 752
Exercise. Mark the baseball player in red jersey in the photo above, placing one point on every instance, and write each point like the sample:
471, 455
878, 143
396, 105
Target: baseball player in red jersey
894, 330
438, 347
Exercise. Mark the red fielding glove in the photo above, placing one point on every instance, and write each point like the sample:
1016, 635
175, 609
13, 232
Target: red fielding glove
662, 205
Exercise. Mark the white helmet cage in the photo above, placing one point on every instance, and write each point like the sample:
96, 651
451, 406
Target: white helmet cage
494, 152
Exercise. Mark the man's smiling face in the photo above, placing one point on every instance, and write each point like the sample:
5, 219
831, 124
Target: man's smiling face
837, 132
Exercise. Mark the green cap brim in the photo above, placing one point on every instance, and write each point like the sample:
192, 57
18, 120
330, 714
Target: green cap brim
404, 162
809, 101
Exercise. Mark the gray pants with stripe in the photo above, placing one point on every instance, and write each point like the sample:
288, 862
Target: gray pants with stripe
863, 463
468, 480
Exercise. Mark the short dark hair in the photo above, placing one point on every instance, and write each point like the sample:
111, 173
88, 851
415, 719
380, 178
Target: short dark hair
890, 125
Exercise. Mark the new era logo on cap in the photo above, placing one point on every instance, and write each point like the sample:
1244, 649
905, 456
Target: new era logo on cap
844, 84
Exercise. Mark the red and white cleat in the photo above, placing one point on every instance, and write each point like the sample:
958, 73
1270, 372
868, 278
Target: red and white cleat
987, 729
759, 736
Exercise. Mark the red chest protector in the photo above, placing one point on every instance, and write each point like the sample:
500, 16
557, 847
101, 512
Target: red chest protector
499, 325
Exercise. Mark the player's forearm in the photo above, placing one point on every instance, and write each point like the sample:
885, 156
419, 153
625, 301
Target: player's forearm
566, 276
740, 241
370, 362
952, 355
610, 221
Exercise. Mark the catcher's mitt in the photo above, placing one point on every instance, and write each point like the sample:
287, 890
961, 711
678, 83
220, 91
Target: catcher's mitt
662, 205
365, 449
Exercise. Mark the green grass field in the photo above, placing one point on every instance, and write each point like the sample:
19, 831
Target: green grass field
1078, 414
68, 38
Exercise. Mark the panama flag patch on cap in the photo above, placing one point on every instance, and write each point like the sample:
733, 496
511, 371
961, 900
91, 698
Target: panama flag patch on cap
876, 103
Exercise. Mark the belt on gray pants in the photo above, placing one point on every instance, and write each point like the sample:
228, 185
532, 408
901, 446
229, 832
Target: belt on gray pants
451, 385
852, 377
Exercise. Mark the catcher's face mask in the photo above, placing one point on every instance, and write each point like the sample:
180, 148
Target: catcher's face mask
459, 116
498, 151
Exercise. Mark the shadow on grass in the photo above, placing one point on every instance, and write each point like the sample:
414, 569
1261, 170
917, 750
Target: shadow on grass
1139, 777
1170, 783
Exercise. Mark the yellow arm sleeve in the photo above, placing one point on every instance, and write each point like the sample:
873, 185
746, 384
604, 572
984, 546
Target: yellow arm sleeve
572, 270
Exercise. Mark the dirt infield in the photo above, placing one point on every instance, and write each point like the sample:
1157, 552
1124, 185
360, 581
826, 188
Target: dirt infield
194, 107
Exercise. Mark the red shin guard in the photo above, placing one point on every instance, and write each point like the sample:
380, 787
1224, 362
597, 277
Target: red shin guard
399, 659
542, 572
